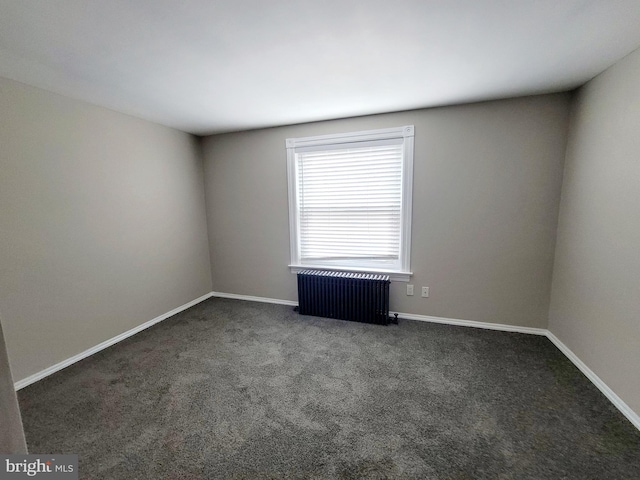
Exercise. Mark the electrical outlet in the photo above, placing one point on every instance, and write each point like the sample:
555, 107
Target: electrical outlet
409, 289
425, 291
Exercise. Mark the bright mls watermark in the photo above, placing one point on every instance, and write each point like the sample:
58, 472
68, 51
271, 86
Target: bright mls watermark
51, 467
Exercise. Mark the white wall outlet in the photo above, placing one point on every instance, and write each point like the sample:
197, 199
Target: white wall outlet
409, 289
425, 291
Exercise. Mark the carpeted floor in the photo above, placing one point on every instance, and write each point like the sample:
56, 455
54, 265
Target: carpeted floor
233, 389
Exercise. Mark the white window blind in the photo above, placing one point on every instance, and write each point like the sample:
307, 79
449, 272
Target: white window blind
350, 201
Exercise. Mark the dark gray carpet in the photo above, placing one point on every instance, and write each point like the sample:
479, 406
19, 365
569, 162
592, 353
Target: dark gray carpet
232, 389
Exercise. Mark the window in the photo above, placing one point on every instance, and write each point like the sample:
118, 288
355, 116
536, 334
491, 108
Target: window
350, 201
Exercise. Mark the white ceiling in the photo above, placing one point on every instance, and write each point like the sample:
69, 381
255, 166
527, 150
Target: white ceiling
209, 66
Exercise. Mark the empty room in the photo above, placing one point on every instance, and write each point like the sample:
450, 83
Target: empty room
320, 239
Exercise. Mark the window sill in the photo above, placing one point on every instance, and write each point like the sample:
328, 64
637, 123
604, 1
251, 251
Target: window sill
394, 276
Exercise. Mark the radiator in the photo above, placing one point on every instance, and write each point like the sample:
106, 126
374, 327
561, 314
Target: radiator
360, 297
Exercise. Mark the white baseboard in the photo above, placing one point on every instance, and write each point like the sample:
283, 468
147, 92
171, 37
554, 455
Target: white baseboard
632, 416
406, 316
249, 298
470, 323
107, 343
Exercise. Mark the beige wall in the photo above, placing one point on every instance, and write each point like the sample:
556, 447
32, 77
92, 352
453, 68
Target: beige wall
102, 225
595, 307
11, 433
487, 181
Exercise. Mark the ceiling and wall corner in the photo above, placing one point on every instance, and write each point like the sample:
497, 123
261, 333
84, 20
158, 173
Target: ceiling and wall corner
210, 67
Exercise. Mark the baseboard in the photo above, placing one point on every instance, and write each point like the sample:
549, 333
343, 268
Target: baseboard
471, 323
249, 298
632, 416
107, 343
406, 316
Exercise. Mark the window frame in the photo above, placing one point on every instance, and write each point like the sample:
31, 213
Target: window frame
406, 133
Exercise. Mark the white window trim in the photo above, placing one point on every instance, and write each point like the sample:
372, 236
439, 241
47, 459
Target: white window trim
407, 133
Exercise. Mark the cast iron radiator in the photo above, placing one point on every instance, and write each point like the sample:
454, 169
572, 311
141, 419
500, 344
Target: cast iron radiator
361, 297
